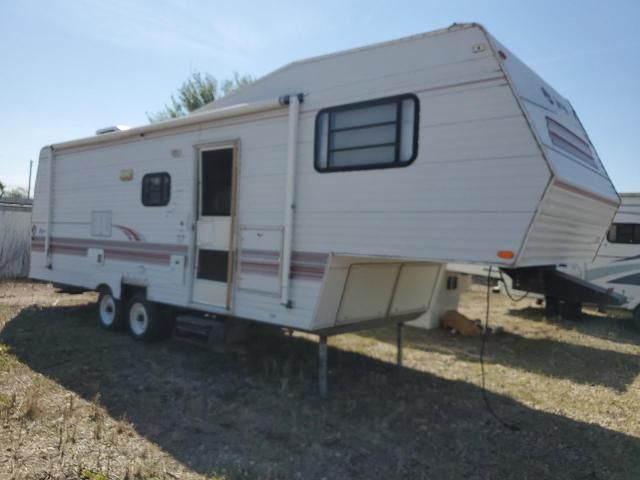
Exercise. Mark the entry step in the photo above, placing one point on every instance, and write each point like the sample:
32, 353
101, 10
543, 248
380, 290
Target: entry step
209, 331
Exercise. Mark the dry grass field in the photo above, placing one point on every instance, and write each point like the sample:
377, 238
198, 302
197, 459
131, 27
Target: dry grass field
77, 402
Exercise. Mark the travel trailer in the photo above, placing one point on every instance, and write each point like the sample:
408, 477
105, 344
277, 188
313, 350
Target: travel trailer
617, 265
328, 195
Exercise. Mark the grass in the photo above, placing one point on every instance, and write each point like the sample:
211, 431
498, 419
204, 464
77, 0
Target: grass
80, 403
6, 359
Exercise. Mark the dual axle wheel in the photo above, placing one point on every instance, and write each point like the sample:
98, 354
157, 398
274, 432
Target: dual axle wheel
145, 320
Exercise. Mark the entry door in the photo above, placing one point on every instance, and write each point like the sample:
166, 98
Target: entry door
214, 227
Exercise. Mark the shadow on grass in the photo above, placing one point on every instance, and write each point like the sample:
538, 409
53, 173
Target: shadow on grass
581, 364
616, 329
255, 410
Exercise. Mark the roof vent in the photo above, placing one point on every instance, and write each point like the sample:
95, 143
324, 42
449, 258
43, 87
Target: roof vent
112, 129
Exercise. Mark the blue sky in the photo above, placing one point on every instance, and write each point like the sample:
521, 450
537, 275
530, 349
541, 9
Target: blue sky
68, 68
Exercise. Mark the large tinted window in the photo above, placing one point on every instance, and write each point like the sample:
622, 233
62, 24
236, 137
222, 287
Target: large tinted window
156, 189
624, 233
216, 181
374, 134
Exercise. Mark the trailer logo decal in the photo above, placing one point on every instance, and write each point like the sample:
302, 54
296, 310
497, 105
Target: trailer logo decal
131, 234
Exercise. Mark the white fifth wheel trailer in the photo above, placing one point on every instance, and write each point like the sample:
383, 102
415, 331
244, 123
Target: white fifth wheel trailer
329, 194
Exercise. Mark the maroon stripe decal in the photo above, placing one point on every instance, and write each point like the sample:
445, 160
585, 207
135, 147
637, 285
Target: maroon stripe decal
270, 272
155, 258
134, 255
256, 266
128, 246
311, 268
68, 250
306, 265
130, 233
260, 253
310, 257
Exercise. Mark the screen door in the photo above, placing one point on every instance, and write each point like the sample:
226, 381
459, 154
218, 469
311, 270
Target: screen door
214, 226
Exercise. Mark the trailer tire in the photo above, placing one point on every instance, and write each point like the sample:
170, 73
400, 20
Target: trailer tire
147, 320
109, 310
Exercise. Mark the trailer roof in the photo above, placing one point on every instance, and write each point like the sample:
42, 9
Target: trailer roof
228, 99
225, 106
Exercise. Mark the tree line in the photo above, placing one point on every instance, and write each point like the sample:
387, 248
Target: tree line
196, 91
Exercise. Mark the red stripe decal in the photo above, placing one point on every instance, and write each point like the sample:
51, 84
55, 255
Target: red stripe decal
79, 247
127, 246
306, 265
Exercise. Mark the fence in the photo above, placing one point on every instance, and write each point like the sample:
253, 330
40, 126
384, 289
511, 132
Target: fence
15, 238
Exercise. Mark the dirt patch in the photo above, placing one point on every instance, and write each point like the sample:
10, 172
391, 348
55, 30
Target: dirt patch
76, 400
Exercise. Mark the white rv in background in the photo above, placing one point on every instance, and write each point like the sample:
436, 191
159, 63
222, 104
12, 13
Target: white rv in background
617, 265
328, 195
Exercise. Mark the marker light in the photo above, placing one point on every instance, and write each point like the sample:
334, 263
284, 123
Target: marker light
506, 254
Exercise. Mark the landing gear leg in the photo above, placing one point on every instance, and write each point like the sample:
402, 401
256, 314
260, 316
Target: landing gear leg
322, 366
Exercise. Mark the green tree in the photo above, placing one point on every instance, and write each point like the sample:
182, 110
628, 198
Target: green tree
16, 192
1, 189
195, 92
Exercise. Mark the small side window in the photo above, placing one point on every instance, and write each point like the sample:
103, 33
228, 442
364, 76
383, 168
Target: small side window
156, 189
380, 133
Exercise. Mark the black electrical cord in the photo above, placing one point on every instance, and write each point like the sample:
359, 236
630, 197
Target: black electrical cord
506, 289
504, 423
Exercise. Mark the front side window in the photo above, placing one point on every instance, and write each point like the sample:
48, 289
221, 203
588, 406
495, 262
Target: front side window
156, 189
379, 133
570, 143
624, 233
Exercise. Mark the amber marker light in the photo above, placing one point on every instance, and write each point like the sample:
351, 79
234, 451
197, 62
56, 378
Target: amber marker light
505, 254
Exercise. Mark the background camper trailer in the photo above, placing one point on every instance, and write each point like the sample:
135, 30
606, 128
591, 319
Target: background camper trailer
611, 281
617, 265
330, 194
15, 228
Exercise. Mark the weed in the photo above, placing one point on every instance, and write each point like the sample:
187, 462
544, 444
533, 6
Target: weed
97, 416
7, 406
30, 407
6, 358
86, 474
